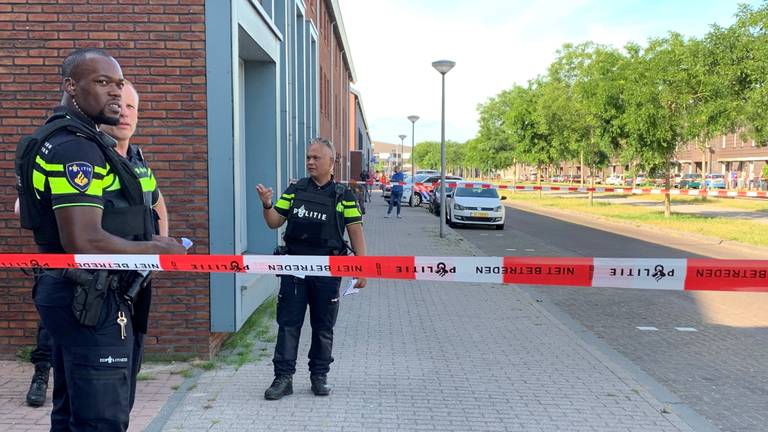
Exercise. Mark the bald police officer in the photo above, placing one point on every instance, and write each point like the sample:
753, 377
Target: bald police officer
317, 210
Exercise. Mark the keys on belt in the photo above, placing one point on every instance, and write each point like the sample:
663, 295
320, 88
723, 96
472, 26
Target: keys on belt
122, 321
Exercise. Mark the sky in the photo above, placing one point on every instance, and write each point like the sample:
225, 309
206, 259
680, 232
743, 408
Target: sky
495, 44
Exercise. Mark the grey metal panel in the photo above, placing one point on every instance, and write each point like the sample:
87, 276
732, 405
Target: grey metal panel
293, 41
261, 132
254, 289
301, 89
281, 21
219, 76
258, 29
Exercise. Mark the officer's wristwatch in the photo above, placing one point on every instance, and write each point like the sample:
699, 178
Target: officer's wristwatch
267, 207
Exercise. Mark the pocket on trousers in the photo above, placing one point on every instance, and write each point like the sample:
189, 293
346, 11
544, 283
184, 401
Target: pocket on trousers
53, 291
100, 383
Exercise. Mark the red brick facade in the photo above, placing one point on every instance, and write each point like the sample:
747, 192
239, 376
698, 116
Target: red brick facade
161, 47
724, 154
334, 80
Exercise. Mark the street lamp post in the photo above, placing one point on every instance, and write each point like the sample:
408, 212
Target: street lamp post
413, 119
442, 66
402, 137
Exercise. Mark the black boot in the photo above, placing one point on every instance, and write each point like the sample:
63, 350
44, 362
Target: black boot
39, 385
320, 385
281, 386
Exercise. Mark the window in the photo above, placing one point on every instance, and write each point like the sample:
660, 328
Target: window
476, 192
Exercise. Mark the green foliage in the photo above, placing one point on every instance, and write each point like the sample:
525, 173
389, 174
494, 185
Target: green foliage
240, 348
24, 354
635, 105
427, 155
145, 376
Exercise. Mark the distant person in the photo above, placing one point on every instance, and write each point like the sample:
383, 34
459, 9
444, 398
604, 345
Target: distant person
397, 191
364, 178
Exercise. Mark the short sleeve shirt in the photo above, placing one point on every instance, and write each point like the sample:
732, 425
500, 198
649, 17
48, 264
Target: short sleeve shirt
347, 207
72, 170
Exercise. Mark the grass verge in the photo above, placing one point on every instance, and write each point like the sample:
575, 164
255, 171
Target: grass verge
724, 228
241, 347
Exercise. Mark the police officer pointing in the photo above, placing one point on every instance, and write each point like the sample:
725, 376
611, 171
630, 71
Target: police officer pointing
317, 210
78, 195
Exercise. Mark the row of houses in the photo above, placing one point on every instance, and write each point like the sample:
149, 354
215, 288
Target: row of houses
231, 92
728, 154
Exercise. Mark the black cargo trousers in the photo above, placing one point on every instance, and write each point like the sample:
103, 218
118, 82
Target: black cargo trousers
321, 294
94, 368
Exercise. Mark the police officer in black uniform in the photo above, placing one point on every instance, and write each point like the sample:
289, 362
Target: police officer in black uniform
122, 133
83, 198
317, 210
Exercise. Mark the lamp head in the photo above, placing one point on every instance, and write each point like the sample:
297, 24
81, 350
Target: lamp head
443, 66
413, 118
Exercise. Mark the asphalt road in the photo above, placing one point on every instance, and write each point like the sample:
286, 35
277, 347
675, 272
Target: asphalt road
718, 370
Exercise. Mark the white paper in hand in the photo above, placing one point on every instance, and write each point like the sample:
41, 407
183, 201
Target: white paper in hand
350, 289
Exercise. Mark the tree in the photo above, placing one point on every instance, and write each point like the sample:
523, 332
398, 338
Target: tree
653, 119
427, 155
743, 52
526, 123
587, 74
494, 142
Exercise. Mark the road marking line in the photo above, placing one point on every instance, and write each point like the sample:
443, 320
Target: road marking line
512, 250
499, 235
647, 328
483, 234
686, 329
530, 250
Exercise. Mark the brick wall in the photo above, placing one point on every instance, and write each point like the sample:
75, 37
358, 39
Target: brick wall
161, 47
334, 84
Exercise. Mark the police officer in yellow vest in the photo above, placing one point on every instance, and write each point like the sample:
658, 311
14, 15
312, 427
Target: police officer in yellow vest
67, 176
317, 210
122, 133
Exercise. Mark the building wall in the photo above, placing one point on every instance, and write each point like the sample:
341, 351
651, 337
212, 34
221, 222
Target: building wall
358, 132
334, 80
161, 48
724, 154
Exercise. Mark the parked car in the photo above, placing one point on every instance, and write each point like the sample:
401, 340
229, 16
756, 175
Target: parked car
715, 181
475, 205
640, 179
710, 181
422, 190
615, 180
427, 171
690, 181
434, 199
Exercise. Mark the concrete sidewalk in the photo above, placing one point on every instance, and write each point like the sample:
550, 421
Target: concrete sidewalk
413, 356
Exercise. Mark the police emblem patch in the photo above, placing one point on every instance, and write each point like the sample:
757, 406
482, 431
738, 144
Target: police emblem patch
79, 175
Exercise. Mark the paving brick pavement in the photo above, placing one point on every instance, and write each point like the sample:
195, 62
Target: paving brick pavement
16, 416
431, 356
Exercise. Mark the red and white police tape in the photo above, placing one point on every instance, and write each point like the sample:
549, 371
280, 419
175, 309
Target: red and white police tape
648, 273
634, 191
